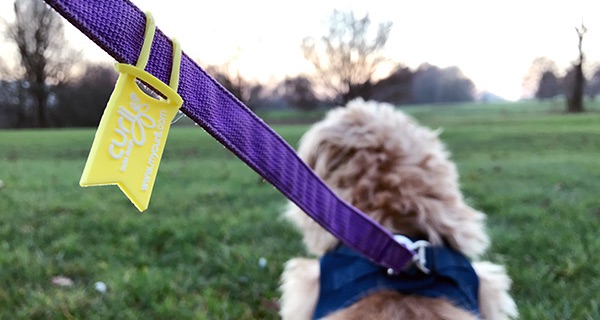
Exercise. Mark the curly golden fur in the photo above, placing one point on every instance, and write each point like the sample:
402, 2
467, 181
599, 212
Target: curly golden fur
384, 163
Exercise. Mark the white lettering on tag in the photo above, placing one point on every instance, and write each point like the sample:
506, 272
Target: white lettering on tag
132, 132
158, 136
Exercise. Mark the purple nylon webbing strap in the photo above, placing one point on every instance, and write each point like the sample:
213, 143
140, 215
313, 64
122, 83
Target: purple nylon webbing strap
117, 26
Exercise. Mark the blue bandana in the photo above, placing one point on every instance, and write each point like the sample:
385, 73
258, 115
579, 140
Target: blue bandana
347, 276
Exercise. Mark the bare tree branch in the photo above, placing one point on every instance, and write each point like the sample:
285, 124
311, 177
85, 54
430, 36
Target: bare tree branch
575, 92
44, 59
346, 58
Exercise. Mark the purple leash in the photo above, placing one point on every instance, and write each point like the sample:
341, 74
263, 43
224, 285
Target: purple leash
117, 26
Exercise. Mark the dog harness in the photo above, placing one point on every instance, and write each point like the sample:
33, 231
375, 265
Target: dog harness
347, 276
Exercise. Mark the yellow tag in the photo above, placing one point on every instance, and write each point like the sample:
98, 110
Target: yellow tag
131, 137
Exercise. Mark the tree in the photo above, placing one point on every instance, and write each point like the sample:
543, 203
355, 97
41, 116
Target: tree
455, 86
15, 104
299, 93
549, 86
44, 59
593, 85
396, 88
575, 91
432, 84
346, 58
539, 66
81, 101
9, 102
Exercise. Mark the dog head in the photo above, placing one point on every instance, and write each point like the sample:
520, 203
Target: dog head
388, 166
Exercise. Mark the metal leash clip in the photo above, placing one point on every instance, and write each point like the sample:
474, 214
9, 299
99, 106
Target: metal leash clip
420, 258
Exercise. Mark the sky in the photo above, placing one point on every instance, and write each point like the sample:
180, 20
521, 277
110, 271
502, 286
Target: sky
493, 42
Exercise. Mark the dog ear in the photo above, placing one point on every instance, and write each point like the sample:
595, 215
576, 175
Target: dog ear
457, 224
469, 235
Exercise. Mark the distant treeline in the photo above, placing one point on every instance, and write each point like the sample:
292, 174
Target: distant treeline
41, 91
80, 101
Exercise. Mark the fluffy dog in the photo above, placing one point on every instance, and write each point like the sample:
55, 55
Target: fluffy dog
384, 163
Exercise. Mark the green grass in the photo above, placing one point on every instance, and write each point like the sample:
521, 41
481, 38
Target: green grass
194, 254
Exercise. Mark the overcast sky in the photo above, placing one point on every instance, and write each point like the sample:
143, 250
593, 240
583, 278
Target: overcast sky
493, 41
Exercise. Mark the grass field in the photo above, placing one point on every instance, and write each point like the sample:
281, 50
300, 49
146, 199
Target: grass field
195, 253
